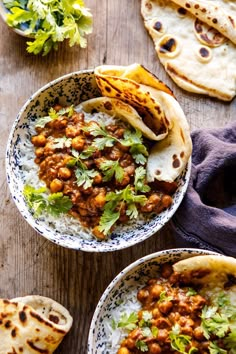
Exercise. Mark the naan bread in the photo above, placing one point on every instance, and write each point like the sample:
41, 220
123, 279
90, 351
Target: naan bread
32, 324
172, 150
209, 271
196, 56
119, 109
125, 83
219, 14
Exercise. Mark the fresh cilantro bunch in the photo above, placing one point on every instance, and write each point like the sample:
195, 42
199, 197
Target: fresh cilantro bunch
50, 21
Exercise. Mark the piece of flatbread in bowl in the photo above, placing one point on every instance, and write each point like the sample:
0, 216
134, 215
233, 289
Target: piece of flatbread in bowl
32, 324
172, 149
195, 55
212, 273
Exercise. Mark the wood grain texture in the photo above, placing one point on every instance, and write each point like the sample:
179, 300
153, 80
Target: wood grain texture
29, 264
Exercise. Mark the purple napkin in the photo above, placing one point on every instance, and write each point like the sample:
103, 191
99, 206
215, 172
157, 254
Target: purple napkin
207, 216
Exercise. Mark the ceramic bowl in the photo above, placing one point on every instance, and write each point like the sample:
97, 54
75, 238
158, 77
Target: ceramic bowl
72, 89
3, 15
122, 290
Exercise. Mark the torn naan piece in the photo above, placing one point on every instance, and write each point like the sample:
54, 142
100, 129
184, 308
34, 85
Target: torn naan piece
219, 14
125, 83
32, 324
196, 56
209, 272
171, 152
119, 109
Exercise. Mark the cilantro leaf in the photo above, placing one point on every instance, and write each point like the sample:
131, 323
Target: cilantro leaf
191, 292
164, 297
112, 168
139, 153
38, 201
128, 321
140, 180
214, 322
58, 204
50, 22
215, 349
230, 340
85, 177
141, 345
107, 220
179, 341
155, 331
60, 143
34, 198
41, 122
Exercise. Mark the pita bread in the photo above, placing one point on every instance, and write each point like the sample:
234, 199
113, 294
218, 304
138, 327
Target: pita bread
197, 57
32, 324
218, 14
170, 154
119, 109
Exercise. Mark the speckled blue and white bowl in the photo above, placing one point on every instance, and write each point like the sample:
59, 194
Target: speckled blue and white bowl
103, 339
72, 89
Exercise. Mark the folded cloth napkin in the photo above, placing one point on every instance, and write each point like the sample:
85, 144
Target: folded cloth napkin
207, 216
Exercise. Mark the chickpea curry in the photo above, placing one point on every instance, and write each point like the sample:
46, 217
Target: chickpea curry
175, 317
95, 170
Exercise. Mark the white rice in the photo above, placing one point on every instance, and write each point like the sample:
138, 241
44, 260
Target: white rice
65, 223
115, 336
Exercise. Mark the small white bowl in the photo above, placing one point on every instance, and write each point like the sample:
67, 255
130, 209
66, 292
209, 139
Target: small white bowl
122, 288
72, 89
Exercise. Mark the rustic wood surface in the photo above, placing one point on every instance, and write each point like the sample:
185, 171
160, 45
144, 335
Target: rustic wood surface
29, 264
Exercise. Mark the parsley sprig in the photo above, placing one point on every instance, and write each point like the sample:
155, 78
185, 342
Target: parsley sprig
38, 201
50, 22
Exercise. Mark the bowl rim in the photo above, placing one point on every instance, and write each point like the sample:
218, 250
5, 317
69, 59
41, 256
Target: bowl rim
31, 220
128, 268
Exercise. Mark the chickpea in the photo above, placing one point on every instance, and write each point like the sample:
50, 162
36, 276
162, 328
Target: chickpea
77, 117
166, 201
130, 170
56, 185
72, 132
162, 335
98, 234
97, 179
154, 348
166, 270
155, 291
125, 180
156, 313
198, 334
115, 154
39, 151
60, 123
184, 309
119, 133
165, 306
100, 200
57, 107
78, 143
142, 295
187, 330
130, 343
39, 140
123, 350
64, 173
154, 199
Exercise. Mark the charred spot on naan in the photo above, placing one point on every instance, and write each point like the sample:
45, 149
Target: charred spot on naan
168, 46
204, 54
181, 11
158, 27
208, 35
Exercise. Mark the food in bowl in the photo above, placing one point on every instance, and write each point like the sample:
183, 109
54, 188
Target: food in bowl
189, 307
164, 303
32, 324
76, 89
101, 161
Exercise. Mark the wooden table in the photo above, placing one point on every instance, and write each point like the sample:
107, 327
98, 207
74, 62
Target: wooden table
29, 264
